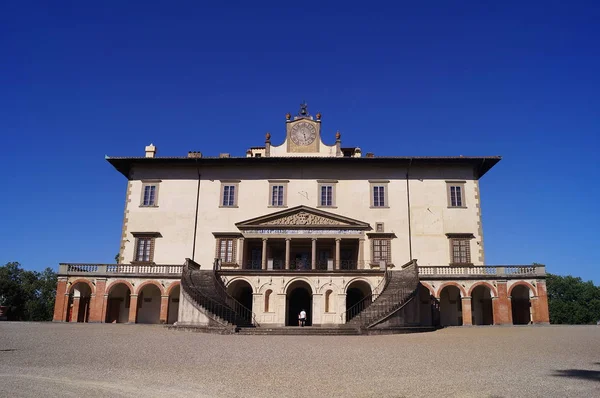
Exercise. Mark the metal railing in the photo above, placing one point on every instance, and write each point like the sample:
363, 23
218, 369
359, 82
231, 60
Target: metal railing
106, 269
239, 309
482, 270
301, 265
384, 302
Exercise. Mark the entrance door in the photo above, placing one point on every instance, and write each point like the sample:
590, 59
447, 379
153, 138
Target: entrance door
299, 297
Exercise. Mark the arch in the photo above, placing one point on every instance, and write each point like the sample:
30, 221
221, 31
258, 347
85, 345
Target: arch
431, 290
174, 292
463, 292
286, 287
329, 286
237, 279
148, 303
241, 290
83, 280
268, 305
520, 304
356, 297
151, 282
119, 282
482, 312
450, 304
493, 291
78, 305
522, 283
171, 287
299, 296
328, 300
118, 302
351, 281
428, 306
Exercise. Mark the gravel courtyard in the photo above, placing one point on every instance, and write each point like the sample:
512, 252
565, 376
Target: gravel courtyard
101, 360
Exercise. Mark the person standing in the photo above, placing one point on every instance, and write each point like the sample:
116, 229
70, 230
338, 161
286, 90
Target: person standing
302, 318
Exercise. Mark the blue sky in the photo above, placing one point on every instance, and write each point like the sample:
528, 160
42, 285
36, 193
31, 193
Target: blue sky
80, 80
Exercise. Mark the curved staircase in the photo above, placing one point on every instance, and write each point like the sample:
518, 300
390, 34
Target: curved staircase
385, 304
205, 289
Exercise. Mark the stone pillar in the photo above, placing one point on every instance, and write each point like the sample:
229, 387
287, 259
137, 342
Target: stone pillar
241, 252
264, 254
466, 311
133, 308
62, 300
75, 310
97, 302
501, 305
314, 253
104, 308
288, 242
337, 253
164, 308
541, 313
361, 254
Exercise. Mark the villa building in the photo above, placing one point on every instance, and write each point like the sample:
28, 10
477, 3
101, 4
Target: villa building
302, 223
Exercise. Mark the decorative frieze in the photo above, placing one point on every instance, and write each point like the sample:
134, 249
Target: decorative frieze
303, 218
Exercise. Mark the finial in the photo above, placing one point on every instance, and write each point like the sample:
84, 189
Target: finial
338, 135
319, 116
268, 136
303, 110
288, 116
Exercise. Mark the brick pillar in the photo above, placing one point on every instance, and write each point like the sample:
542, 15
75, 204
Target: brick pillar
97, 301
501, 305
164, 308
75, 311
61, 301
466, 311
541, 313
133, 308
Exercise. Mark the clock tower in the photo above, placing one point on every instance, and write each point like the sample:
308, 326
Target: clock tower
303, 132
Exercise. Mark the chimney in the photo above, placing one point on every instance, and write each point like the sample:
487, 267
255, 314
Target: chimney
224, 155
370, 155
150, 151
194, 154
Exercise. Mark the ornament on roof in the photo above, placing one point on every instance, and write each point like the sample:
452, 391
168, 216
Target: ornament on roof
303, 110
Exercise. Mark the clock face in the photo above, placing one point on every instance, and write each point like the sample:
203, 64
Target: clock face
303, 134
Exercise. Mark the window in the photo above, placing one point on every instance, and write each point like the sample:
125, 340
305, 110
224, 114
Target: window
326, 193
144, 249
382, 250
456, 193
226, 250
379, 227
460, 248
149, 193
277, 193
379, 197
229, 193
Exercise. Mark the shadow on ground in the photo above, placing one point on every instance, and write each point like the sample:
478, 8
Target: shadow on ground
584, 374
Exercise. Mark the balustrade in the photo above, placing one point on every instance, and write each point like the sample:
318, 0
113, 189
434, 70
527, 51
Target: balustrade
481, 270
108, 269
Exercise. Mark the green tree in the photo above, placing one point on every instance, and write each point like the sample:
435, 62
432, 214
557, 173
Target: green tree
572, 301
29, 295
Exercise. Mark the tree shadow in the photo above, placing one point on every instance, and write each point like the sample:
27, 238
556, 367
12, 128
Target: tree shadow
583, 374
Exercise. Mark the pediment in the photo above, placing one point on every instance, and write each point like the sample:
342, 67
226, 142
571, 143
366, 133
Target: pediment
303, 217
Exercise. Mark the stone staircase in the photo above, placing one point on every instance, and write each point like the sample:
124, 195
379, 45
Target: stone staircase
207, 291
398, 290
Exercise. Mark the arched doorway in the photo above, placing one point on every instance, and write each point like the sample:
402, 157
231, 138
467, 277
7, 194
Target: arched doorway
79, 302
481, 306
425, 306
173, 311
521, 305
148, 304
356, 293
242, 292
117, 306
450, 307
298, 298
